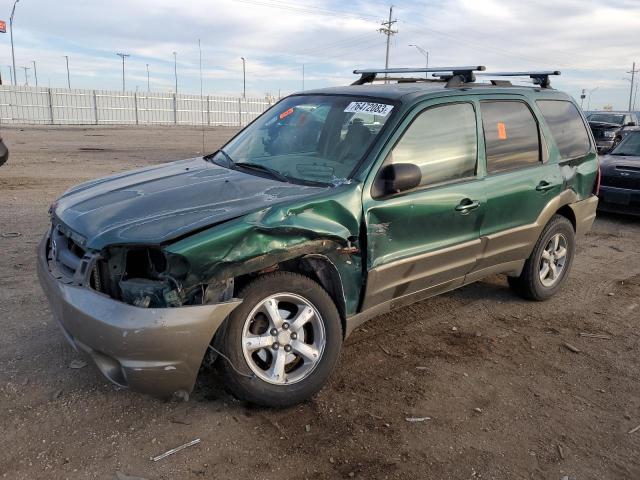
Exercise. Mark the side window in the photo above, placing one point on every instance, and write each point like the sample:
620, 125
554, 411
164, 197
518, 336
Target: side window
443, 142
510, 134
567, 128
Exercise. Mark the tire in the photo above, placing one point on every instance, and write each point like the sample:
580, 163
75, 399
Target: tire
260, 377
531, 284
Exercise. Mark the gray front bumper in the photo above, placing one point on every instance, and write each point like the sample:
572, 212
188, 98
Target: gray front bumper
151, 350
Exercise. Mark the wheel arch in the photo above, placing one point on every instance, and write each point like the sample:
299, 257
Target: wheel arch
567, 212
315, 266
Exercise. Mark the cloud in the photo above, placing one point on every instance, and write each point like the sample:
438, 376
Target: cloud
593, 42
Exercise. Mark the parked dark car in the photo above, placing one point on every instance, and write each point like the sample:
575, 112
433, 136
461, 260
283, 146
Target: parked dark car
4, 153
620, 182
609, 128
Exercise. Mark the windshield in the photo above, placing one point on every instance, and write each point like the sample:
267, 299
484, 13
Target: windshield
629, 146
309, 138
606, 118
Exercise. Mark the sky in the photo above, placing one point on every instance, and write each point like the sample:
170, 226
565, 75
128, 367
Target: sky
593, 43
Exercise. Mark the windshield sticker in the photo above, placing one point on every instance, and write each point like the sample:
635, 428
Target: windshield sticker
286, 113
502, 131
380, 109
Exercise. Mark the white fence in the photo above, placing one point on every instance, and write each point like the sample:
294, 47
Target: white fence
62, 106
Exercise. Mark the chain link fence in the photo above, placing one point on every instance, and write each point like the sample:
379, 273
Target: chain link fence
62, 106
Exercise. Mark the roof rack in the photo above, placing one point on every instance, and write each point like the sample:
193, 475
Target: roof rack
539, 78
452, 75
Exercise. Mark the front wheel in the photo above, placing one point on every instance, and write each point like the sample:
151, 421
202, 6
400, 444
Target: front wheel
546, 270
282, 342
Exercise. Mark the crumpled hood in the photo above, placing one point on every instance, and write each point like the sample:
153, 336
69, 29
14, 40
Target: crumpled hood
157, 204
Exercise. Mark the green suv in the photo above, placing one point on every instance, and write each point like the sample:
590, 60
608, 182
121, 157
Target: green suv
333, 207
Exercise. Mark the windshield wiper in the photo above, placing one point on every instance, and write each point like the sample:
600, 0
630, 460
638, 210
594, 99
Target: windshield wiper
256, 166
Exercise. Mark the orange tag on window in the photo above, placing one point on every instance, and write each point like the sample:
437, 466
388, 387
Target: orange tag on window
285, 114
502, 131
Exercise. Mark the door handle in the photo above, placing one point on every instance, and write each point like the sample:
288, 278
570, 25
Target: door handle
544, 186
466, 205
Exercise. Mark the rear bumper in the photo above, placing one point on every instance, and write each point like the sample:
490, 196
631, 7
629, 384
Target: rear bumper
619, 200
152, 350
585, 213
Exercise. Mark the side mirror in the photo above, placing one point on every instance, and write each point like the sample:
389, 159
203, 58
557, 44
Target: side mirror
396, 178
631, 124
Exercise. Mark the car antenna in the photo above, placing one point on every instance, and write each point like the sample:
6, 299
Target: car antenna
201, 96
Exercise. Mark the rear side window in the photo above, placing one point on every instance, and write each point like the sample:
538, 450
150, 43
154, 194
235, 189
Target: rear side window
443, 142
567, 128
510, 134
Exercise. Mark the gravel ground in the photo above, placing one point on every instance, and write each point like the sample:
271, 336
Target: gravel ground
506, 399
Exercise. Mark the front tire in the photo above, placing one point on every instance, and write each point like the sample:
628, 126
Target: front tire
284, 340
546, 269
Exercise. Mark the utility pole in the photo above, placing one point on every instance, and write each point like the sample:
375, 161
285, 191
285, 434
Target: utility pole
388, 31
123, 56
633, 76
244, 77
68, 76
148, 83
26, 77
35, 72
175, 68
13, 55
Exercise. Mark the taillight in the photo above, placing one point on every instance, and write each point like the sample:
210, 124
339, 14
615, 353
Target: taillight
596, 185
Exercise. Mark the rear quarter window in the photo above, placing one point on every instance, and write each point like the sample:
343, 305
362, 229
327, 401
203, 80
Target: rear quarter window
567, 128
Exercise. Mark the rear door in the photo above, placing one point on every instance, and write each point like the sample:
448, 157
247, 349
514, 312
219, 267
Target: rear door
520, 179
425, 240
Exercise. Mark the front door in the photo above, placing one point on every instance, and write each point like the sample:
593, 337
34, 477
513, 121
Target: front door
425, 240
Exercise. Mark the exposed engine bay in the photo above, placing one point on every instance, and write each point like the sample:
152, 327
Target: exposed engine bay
147, 277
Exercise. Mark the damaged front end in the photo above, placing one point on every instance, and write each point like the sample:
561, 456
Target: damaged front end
129, 310
146, 314
149, 277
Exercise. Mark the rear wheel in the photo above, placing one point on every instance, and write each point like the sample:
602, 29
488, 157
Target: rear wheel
283, 340
546, 270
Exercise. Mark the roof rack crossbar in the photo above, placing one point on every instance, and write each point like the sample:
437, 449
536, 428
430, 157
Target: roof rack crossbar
465, 73
539, 77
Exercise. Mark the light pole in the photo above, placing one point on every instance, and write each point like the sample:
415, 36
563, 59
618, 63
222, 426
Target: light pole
148, 84
123, 56
423, 52
13, 55
589, 97
175, 68
26, 77
35, 72
244, 77
68, 76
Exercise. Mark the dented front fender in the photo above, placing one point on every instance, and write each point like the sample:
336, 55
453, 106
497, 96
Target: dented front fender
323, 224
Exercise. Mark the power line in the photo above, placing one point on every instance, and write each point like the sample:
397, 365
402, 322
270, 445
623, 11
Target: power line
308, 10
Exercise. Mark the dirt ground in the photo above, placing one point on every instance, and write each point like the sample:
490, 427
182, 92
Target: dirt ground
506, 399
